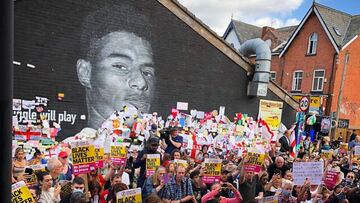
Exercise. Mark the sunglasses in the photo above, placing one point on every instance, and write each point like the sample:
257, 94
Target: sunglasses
350, 177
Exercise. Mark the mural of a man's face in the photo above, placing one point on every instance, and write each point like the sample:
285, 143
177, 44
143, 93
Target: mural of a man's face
121, 72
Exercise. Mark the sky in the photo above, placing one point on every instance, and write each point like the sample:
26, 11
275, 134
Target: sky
275, 13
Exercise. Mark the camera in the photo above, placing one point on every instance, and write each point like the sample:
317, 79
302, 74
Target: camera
165, 134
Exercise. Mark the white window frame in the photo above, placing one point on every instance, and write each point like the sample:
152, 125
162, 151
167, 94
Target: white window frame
318, 77
271, 78
312, 46
293, 81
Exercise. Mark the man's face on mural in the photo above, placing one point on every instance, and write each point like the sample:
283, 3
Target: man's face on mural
120, 73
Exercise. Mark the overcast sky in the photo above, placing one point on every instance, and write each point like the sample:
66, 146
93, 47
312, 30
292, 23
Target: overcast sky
275, 13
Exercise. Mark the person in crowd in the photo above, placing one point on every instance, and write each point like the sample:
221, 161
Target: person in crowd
48, 194
78, 197
55, 168
67, 173
95, 190
179, 188
19, 164
216, 193
78, 185
115, 179
274, 185
355, 142
199, 188
176, 154
247, 185
352, 136
285, 142
173, 141
153, 198
38, 158
115, 189
280, 165
130, 169
155, 183
151, 148
94, 175
171, 170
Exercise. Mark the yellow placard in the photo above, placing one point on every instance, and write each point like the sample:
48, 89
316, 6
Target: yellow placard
344, 146
21, 194
213, 168
270, 112
132, 195
83, 154
152, 161
184, 163
255, 158
99, 154
315, 102
118, 151
327, 154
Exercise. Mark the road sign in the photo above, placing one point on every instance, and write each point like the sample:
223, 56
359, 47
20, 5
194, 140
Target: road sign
304, 103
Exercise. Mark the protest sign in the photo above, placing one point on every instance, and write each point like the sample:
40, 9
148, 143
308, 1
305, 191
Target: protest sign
118, 153
132, 195
31, 179
182, 106
344, 148
269, 199
99, 157
327, 154
83, 157
357, 151
255, 161
20, 193
331, 178
270, 112
213, 170
65, 188
184, 163
152, 162
311, 170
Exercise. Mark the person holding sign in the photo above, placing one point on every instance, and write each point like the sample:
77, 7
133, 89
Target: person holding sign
151, 148
48, 194
217, 191
179, 189
155, 183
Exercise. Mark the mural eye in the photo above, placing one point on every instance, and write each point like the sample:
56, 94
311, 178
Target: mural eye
120, 67
148, 73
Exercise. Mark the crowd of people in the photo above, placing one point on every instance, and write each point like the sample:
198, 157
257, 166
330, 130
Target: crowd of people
181, 183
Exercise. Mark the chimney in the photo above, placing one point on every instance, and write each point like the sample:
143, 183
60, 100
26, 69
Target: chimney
266, 29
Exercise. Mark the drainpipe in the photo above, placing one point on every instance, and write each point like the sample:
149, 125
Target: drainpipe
258, 86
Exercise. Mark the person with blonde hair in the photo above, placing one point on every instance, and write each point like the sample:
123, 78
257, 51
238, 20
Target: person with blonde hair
19, 164
155, 183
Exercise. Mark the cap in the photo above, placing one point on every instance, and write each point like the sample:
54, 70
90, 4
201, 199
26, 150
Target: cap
63, 154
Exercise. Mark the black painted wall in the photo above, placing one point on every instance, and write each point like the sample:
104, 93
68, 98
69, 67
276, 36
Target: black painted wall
188, 68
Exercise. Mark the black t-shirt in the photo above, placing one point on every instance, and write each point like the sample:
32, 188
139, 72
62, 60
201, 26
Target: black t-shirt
248, 189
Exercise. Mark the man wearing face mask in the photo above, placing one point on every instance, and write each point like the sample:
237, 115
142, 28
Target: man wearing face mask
78, 185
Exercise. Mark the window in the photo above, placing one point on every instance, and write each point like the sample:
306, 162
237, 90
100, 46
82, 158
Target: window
312, 44
318, 81
272, 75
297, 80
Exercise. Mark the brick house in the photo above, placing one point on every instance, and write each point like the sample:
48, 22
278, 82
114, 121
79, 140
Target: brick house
311, 62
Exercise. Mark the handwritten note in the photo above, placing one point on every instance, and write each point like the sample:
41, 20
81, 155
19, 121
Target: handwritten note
311, 170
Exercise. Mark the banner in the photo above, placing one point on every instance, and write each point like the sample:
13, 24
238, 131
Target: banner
99, 157
152, 162
270, 112
213, 170
311, 170
20, 193
126, 196
255, 161
118, 153
83, 157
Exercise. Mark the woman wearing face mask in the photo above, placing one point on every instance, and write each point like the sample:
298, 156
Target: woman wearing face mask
48, 194
155, 183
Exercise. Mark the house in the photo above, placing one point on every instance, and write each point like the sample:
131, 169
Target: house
312, 62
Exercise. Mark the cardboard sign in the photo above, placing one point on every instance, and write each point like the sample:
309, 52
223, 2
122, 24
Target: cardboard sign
182, 106
357, 151
99, 157
255, 162
118, 154
132, 195
20, 193
152, 162
331, 178
83, 157
184, 163
270, 112
327, 154
213, 170
311, 170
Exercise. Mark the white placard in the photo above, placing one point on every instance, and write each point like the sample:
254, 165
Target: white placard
312, 170
222, 110
356, 150
182, 106
200, 114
